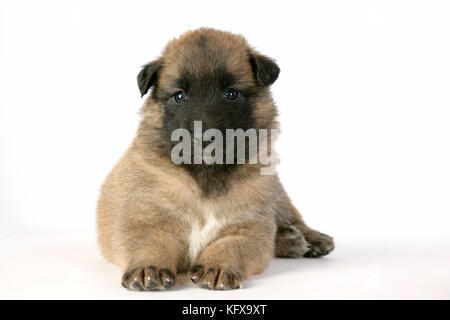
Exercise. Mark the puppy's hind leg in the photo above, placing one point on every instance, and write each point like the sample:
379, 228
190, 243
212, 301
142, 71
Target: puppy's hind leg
290, 242
296, 239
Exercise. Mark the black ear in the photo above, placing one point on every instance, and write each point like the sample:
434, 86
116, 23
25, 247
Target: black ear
148, 76
266, 71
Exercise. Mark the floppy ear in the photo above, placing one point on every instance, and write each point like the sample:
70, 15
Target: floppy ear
148, 75
266, 71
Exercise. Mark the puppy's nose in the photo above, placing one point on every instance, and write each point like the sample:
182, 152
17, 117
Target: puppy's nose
199, 140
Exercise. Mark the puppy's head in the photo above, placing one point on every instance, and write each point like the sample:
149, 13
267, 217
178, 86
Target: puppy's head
210, 76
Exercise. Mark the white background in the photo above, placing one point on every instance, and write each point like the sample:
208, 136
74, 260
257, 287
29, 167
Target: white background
364, 106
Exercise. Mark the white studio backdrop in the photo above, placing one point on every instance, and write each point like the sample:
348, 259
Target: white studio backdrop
363, 97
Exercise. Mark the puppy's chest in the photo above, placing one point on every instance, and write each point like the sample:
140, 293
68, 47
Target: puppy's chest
204, 230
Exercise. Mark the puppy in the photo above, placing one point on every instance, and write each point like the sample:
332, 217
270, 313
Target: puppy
219, 223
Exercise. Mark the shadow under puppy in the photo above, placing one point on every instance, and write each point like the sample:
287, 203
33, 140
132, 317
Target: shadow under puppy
218, 223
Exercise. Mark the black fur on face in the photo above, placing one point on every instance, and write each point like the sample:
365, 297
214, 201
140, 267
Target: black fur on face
205, 101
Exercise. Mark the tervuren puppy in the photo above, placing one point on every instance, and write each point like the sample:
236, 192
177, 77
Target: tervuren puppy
219, 223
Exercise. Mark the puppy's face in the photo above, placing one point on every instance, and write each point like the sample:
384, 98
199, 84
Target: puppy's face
210, 76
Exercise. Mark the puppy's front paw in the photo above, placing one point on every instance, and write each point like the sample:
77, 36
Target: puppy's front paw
215, 278
320, 244
148, 278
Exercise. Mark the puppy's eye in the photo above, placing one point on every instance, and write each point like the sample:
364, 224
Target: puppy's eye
179, 97
231, 94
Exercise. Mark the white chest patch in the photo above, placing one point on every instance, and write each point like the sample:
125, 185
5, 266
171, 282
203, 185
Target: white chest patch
202, 235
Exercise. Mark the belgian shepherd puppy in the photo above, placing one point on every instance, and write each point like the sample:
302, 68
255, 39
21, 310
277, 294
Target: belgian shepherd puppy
218, 223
